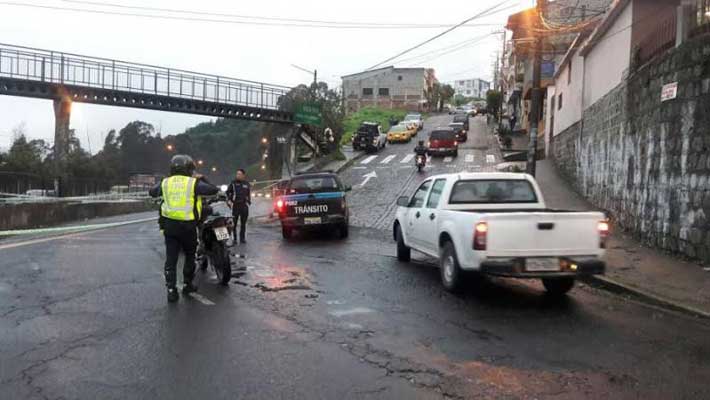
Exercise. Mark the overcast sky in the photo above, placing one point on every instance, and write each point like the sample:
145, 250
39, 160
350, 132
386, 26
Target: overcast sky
255, 52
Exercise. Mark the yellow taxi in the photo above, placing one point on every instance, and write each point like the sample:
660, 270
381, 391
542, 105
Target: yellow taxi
400, 133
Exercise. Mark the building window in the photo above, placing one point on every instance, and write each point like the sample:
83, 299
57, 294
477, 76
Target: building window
367, 91
399, 78
569, 73
468, 92
383, 91
559, 101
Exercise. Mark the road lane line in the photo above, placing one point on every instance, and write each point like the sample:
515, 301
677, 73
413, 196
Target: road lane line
388, 159
448, 159
368, 159
469, 158
407, 158
202, 299
359, 168
490, 158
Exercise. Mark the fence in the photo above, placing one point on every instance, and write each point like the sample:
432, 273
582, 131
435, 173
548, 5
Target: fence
20, 186
661, 39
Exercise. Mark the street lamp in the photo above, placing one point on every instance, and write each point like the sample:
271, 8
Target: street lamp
169, 147
214, 169
199, 162
263, 166
264, 140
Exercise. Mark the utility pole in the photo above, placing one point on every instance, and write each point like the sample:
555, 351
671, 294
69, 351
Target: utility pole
536, 91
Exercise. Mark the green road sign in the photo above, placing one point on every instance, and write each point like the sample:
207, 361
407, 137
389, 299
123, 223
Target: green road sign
308, 113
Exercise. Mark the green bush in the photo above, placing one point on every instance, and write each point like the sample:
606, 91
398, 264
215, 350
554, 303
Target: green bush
371, 114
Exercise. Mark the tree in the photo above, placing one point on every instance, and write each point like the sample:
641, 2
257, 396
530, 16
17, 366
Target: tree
446, 92
330, 100
25, 155
494, 101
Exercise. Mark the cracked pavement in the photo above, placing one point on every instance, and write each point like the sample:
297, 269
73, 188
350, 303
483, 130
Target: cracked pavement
85, 317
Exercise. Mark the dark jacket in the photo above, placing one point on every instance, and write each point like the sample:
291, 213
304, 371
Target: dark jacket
239, 193
420, 150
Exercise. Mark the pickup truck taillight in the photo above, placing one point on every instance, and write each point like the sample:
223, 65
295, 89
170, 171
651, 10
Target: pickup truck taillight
603, 228
279, 205
480, 235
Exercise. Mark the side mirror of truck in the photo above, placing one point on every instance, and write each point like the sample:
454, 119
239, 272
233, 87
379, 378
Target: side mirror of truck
403, 201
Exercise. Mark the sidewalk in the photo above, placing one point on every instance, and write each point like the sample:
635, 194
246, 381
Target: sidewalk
631, 267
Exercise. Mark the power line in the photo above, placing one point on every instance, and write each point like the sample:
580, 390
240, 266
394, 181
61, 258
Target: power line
214, 14
454, 50
353, 25
467, 41
479, 15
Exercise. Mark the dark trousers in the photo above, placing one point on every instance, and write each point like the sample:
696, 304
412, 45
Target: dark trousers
180, 237
241, 215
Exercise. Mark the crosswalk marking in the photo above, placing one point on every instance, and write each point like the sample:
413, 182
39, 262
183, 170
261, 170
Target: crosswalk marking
469, 158
388, 159
490, 158
407, 158
448, 159
368, 160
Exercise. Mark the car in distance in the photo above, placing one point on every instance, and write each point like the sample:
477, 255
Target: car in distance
442, 141
461, 134
314, 201
498, 224
369, 137
415, 117
400, 133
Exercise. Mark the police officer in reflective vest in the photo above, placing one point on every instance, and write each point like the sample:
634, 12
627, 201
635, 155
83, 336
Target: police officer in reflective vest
180, 212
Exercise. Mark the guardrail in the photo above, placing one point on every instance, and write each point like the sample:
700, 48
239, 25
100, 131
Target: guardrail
72, 69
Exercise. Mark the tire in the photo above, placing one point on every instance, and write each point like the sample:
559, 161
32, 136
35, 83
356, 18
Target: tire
343, 231
451, 273
558, 286
222, 264
404, 253
456, 153
286, 232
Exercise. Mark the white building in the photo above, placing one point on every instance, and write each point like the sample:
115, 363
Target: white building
472, 87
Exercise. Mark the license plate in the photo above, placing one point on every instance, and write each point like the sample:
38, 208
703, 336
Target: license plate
542, 264
311, 220
221, 233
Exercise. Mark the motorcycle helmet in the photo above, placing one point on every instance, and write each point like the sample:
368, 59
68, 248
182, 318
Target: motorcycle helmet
182, 164
421, 143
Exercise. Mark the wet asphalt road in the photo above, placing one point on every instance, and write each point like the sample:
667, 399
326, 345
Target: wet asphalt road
85, 317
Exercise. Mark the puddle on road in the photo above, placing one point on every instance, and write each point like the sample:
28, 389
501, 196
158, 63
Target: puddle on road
270, 278
351, 311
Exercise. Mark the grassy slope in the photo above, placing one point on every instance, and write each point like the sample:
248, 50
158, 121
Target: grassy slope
382, 116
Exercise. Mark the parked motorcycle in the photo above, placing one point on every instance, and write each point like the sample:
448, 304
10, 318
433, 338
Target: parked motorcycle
420, 162
214, 235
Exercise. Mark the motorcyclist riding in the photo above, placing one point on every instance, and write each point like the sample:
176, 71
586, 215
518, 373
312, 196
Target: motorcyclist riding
180, 210
420, 151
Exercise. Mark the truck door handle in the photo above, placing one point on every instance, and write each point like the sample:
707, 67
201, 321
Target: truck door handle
545, 226
417, 214
432, 216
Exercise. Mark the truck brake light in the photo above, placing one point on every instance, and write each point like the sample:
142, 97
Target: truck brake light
480, 235
603, 228
280, 205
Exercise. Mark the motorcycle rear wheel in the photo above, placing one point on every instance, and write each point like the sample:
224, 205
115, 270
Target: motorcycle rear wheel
221, 264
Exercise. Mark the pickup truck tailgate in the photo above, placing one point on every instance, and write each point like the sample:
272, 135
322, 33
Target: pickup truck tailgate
543, 234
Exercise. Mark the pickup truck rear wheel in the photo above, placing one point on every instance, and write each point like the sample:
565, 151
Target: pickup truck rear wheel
404, 253
451, 274
286, 232
558, 286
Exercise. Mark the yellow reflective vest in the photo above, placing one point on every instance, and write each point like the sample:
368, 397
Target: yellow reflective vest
179, 200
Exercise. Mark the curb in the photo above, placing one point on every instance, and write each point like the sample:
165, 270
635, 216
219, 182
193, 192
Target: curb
350, 162
617, 287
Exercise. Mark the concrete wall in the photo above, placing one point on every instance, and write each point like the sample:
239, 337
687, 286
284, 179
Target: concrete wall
608, 62
40, 215
645, 161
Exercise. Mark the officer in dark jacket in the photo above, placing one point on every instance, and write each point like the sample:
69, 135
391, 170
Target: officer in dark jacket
180, 211
239, 197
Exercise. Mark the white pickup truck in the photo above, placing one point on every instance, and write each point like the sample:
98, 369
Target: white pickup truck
498, 224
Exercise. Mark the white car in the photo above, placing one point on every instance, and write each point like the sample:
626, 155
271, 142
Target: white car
415, 118
498, 224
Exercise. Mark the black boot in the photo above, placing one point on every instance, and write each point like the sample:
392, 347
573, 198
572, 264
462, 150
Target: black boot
189, 288
173, 295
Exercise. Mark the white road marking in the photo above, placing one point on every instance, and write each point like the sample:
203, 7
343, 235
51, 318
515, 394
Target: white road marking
92, 228
202, 299
490, 158
352, 311
407, 158
359, 167
469, 158
448, 159
367, 177
368, 160
388, 159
